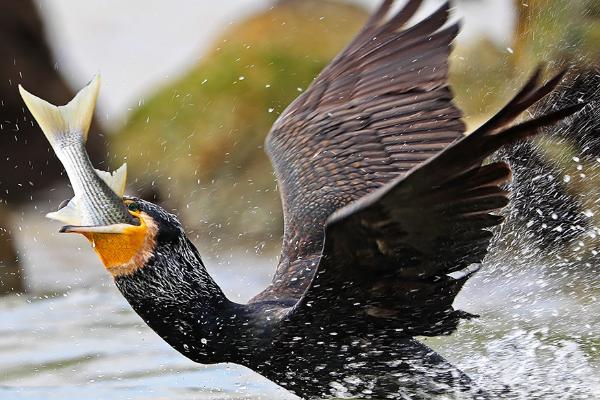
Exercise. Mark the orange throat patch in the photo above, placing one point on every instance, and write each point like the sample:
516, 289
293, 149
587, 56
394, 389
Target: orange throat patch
125, 252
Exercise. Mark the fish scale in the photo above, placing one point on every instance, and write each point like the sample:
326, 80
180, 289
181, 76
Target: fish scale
85, 180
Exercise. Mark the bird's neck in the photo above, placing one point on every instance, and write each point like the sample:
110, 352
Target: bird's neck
178, 299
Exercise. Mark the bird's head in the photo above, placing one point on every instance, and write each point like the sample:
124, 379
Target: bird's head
125, 250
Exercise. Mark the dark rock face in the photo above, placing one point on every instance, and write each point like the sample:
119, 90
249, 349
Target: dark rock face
11, 275
27, 163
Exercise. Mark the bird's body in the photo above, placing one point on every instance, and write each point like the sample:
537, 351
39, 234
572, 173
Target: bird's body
387, 207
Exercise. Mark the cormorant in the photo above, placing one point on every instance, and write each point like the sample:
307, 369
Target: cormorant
388, 207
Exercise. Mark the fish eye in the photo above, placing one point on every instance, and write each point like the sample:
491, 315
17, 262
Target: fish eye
133, 207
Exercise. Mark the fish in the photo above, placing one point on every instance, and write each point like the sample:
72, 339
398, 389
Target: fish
98, 195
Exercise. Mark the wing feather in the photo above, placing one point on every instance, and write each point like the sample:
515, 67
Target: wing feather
379, 109
388, 258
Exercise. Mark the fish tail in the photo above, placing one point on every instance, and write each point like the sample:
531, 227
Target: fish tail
64, 124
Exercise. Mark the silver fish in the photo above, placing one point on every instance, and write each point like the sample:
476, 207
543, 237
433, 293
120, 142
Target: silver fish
98, 199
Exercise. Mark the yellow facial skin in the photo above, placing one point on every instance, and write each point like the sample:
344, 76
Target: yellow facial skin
127, 250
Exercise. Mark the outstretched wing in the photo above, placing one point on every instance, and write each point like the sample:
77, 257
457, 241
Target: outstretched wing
387, 257
380, 108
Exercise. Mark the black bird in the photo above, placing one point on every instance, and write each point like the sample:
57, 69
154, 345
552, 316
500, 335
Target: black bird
387, 208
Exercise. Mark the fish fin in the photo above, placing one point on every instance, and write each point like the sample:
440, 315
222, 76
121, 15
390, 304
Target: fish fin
58, 123
117, 180
69, 214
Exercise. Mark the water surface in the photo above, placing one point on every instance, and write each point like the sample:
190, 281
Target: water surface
74, 336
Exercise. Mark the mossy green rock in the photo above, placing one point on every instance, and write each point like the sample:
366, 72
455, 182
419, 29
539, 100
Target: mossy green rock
557, 31
200, 139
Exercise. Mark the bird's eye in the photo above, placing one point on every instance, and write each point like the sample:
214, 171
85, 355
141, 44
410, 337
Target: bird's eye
133, 207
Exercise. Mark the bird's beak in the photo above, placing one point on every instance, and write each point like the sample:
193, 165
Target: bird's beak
98, 229
116, 245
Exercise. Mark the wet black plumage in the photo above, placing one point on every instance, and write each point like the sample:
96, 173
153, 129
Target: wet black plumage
383, 197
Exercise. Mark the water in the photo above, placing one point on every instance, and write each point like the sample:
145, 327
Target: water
74, 337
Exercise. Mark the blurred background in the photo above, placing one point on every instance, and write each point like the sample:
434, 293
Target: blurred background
189, 92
